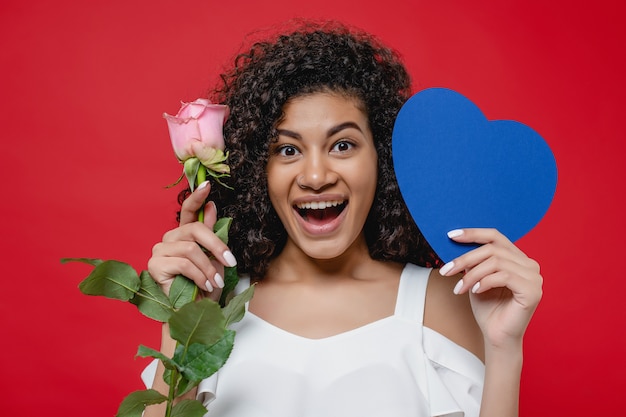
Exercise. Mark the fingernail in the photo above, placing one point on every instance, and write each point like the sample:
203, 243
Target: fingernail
201, 186
455, 233
457, 287
446, 268
209, 287
229, 258
476, 287
219, 281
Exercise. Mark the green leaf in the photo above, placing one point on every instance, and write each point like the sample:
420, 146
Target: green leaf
151, 300
236, 308
201, 361
184, 385
181, 291
90, 261
198, 322
112, 279
146, 352
221, 227
180, 380
191, 166
231, 279
135, 402
189, 408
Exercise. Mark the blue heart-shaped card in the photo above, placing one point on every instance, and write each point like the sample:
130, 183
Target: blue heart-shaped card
456, 169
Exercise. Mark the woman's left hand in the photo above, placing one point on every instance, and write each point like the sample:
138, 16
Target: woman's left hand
505, 285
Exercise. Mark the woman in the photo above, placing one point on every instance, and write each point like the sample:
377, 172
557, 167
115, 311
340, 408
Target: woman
343, 322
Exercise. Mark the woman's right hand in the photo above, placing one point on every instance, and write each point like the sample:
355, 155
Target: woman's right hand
181, 252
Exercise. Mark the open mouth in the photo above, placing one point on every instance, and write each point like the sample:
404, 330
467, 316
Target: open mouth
320, 212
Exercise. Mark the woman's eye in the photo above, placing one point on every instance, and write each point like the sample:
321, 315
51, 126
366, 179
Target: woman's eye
342, 146
287, 150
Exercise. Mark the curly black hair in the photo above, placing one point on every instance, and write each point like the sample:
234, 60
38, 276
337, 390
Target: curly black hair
312, 57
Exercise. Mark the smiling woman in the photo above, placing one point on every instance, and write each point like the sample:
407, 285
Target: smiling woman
349, 318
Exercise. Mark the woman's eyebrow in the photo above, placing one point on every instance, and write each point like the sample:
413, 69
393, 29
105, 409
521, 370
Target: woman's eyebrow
332, 131
346, 125
289, 133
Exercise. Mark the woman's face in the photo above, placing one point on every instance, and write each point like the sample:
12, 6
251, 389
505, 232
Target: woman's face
322, 173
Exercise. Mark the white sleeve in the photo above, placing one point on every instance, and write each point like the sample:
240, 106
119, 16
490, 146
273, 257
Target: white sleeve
455, 376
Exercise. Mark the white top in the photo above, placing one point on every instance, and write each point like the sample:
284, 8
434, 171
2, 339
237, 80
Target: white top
392, 367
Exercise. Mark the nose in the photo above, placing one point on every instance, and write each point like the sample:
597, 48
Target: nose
317, 173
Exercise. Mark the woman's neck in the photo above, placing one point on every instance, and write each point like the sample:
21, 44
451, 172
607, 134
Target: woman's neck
293, 264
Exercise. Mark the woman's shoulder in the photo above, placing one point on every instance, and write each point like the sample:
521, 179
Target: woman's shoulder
451, 315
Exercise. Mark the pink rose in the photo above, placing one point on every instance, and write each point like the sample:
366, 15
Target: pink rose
197, 127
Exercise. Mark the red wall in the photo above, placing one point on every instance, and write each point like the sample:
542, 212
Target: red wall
86, 155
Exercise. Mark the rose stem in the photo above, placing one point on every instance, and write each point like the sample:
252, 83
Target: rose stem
200, 178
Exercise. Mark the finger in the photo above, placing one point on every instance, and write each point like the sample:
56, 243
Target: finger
491, 266
185, 249
213, 295
193, 203
212, 270
218, 277
493, 253
469, 260
210, 214
482, 236
499, 247
495, 264
204, 236
164, 269
526, 292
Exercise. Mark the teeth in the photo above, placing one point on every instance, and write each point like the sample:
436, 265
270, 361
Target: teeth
319, 205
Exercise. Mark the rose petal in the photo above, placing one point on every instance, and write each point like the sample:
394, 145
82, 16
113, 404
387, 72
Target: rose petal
182, 134
203, 101
195, 109
211, 125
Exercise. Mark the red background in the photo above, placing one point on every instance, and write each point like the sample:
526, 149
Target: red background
86, 155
